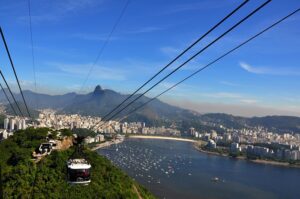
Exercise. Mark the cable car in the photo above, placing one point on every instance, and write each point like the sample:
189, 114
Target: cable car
79, 171
45, 148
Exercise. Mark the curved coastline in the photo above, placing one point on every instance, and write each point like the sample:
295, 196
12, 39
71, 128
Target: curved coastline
162, 138
258, 161
106, 144
195, 171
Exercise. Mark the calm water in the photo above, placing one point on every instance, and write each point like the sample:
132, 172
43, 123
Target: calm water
174, 169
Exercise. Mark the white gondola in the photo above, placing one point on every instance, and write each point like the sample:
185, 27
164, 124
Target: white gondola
78, 171
45, 148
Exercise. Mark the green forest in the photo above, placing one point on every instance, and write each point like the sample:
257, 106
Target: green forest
23, 178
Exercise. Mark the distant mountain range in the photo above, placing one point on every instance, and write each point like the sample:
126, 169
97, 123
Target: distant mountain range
101, 101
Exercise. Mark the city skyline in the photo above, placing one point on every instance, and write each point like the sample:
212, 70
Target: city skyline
260, 78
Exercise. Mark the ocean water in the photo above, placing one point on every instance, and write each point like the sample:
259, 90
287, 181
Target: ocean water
175, 169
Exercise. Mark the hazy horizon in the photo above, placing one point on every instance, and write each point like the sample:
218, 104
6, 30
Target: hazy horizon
206, 107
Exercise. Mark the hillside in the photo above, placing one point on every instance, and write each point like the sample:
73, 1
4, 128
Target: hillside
34, 113
280, 124
22, 178
38, 100
100, 102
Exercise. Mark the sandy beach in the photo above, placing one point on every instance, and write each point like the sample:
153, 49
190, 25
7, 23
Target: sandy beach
106, 144
162, 138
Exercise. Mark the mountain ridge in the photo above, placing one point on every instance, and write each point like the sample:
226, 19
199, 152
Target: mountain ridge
100, 101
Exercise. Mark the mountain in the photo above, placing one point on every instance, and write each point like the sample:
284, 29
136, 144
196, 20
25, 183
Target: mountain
280, 124
34, 113
43, 100
101, 101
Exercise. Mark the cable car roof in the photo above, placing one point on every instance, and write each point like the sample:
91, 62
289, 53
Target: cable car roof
78, 164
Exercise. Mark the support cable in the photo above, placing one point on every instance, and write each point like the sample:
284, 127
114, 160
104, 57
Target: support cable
32, 52
177, 57
213, 62
15, 73
6, 96
195, 55
11, 93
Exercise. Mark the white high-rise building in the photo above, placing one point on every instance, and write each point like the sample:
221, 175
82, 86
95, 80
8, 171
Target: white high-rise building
19, 124
6, 122
192, 131
23, 124
4, 134
41, 115
12, 122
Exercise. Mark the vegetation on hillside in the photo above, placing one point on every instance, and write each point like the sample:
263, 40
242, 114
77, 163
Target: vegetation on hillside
81, 132
22, 178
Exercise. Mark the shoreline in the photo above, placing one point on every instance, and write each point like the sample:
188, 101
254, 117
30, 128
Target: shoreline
257, 161
196, 146
106, 144
162, 138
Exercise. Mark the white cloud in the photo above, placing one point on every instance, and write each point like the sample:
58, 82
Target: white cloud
142, 66
148, 29
192, 65
99, 72
227, 83
25, 84
54, 10
248, 101
251, 69
170, 51
291, 99
223, 95
42, 87
232, 97
73, 5
166, 85
203, 5
269, 70
93, 37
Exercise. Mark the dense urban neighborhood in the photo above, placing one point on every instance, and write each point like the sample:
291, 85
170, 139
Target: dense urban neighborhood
255, 142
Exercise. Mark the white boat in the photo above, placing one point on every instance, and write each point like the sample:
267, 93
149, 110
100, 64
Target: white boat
215, 179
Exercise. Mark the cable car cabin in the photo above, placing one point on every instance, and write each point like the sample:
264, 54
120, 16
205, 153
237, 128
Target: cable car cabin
45, 148
78, 171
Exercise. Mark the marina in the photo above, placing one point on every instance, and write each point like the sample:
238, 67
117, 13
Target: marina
175, 169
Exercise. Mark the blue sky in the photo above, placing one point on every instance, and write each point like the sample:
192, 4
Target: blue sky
259, 79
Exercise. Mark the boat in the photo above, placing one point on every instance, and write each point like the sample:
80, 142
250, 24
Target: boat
215, 179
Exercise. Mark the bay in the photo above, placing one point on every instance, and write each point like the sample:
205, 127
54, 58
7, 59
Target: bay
175, 169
